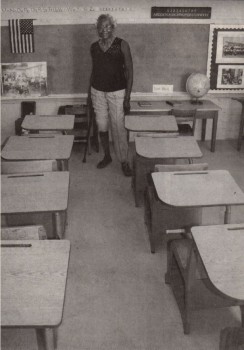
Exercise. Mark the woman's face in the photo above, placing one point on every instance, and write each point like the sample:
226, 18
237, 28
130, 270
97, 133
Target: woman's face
105, 29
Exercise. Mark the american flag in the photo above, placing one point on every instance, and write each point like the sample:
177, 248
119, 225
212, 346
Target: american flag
21, 35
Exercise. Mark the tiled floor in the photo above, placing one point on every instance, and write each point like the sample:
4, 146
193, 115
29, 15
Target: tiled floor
116, 298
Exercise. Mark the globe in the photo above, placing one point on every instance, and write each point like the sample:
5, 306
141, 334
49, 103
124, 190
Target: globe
197, 85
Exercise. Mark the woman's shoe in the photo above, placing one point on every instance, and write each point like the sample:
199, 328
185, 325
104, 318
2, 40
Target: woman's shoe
106, 161
126, 169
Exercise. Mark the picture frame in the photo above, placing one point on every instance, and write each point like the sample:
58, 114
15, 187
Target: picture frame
226, 58
230, 76
230, 47
24, 79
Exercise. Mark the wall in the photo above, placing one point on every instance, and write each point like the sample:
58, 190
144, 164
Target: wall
129, 14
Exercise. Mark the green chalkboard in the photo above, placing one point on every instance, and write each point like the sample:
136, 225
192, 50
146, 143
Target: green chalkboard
162, 54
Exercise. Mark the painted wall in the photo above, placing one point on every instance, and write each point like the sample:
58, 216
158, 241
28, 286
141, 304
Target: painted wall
86, 11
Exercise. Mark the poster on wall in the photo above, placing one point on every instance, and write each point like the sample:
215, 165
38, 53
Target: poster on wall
24, 79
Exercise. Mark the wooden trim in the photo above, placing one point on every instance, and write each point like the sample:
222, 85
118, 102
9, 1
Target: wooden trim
134, 96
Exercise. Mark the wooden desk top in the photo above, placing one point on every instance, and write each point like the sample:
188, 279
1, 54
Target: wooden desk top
197, 188
167, 147
33, 283
45, 122
37, 192
221, 248
38, 147
166, 123
162, 106
149, 106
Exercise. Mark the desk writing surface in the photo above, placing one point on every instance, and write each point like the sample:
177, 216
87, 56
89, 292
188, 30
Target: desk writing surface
44, 122
167, 147
197, 189
37, 192
206, 105
149, 106
38, 147
33, 283
166, 123
221, 248
163, 106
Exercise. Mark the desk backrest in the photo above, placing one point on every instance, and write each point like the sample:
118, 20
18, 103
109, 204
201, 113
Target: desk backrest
76, 109
180, 167
22, 167
28, 107
34, 232
157, 134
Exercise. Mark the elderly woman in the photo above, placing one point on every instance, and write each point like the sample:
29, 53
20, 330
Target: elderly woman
110, 89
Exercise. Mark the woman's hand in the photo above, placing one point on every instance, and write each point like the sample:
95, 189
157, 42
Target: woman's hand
126, 106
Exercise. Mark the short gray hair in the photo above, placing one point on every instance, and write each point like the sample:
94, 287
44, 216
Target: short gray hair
104, 17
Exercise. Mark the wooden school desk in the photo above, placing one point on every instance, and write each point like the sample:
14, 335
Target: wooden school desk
221, 249
48, 122
36, 193
39, 147
159, 150
241, 129
199, 189
207, 110
33, 287
140, 123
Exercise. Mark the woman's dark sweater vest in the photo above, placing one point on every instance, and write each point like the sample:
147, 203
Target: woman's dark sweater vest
108, 67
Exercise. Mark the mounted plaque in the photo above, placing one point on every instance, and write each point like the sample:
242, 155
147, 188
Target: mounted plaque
181, 12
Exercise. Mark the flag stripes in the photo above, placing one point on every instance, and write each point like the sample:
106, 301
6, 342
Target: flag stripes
21, 35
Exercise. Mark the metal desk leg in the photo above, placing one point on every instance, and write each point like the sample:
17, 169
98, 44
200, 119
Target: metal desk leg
57, 223
64, 165
46, 339
227, 214
240, 136
204, 124
214, 131
136, 187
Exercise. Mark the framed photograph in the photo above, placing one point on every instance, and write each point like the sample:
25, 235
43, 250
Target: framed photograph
230, 47
230, 76
25, 79
226, 58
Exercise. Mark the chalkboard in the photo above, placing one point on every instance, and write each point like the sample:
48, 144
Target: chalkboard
162, 54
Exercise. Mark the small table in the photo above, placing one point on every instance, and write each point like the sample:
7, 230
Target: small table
241, 129
199, 189
166, 123
36, 193
157, 150
48, 122
34, 275
39, 147
206, 110
221, 249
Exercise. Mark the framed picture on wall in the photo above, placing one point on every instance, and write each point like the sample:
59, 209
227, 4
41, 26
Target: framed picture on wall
24, 79
230, 76
230, 47
226, 58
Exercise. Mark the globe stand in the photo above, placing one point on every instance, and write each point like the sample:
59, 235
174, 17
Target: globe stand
196, 102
